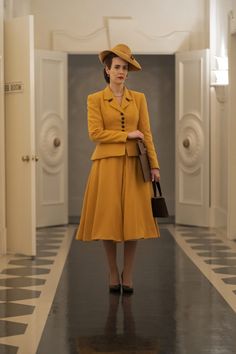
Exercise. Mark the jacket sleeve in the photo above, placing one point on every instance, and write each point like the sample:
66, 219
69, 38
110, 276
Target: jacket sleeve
144, 127
96, 130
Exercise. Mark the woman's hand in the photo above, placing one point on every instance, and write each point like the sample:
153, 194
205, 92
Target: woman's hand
136, 134
155, 173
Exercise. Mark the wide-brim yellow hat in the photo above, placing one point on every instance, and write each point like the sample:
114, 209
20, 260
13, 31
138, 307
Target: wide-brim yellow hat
124, 52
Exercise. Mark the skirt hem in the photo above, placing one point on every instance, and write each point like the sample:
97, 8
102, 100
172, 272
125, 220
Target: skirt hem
116, 240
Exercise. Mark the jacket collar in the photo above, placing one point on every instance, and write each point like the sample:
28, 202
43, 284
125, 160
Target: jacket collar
109, 96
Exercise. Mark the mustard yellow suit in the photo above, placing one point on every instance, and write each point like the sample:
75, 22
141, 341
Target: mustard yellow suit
117, 202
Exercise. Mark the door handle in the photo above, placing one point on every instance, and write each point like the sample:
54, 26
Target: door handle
56, 142
186, 143
35, 158
25, 158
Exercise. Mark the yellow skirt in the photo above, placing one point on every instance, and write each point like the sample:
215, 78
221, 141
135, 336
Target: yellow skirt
117, 202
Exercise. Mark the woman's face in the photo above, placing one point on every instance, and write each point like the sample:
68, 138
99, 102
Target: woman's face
118, 71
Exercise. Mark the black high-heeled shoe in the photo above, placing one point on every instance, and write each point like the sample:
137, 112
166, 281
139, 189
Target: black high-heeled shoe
115, 288
126, 288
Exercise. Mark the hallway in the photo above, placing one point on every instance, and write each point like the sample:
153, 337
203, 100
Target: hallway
175, 309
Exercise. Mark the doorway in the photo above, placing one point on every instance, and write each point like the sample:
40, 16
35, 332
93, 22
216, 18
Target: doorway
157, 82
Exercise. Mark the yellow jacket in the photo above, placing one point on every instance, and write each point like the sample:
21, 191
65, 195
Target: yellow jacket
109, 124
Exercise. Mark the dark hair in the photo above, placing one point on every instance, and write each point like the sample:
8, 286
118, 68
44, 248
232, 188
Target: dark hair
108, 61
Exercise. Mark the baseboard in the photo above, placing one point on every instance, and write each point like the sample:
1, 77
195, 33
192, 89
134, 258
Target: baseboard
219, 218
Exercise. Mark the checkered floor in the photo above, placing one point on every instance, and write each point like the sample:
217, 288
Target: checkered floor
28, 286
24, 284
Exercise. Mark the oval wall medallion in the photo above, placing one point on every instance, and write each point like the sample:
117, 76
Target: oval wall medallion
51, 142
190, 142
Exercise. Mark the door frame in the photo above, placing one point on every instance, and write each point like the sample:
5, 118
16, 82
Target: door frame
231, 220
2, 140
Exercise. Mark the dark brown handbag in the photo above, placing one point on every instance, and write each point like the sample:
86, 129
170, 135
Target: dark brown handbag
144, 162
159, 208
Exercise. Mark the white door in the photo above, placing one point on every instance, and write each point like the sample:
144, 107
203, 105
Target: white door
20, 139
192, 138
51, 138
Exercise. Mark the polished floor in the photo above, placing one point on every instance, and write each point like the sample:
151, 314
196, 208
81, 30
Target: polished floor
184, 300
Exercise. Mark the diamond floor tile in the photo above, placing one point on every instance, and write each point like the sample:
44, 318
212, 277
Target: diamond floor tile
222, 261
8, 328
29, 262
46, 254
21, 282
211, 247
48, 242
8, 349
50, 237
24, 271
204, 240
18, 294
9, 309
195, 235
225, 270
231, 280
217, 254
47, 247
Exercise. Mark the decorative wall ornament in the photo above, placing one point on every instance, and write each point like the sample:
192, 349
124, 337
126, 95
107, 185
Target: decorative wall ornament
232, 17
221, 92
51, 143
70, 42
143, 42
190, 142
220, 78
220, 73
118, 30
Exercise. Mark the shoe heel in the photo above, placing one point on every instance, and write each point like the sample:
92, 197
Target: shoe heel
115, 288
125, 288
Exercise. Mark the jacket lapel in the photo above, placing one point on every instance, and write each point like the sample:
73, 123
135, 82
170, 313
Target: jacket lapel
108, 96
127, 98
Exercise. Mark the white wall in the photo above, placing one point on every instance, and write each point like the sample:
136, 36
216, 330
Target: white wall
219, 25
85, 18
231, 220
16, 8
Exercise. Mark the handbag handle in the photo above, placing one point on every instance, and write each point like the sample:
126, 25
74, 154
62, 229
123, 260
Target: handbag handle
154, 185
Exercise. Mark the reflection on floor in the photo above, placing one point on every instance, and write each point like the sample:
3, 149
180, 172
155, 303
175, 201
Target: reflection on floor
174, 310
213, 255
184, 300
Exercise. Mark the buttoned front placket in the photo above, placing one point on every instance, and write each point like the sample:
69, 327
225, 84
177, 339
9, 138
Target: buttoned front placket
122, 121
108, 95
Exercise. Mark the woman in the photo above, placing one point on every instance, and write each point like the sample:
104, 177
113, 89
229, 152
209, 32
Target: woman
117, 203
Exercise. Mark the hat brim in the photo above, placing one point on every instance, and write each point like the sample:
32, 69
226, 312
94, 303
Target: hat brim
133, 64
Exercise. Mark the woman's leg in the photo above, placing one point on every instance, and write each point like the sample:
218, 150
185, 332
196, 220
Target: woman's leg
129, 255
110, 248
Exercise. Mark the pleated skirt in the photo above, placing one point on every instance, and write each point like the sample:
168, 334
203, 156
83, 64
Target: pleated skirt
117, 202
